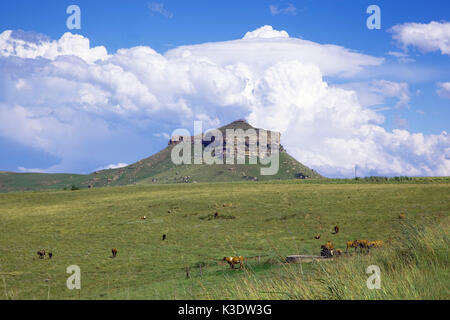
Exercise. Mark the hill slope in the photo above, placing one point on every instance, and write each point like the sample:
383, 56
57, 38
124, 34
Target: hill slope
159, 168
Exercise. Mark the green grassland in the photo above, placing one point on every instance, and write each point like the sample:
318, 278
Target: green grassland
268, 219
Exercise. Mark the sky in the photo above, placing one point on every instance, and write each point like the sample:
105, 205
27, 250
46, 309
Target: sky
112, 92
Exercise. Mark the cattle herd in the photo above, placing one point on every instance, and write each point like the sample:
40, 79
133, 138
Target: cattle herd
41, 253
326, 250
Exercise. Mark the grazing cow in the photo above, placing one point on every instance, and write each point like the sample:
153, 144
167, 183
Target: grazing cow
376, 244
216, 215
41, 254
336, 229
327, 250
363, 244
402, 215
317, 236
234, 260
50, 255
329, 245
114, 252
143, 217
352, 244
164, 237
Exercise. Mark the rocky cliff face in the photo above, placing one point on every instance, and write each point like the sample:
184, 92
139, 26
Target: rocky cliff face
255, 141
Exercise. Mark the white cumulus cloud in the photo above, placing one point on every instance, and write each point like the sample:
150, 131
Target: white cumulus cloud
266, 32
375, 92
443, 89
399, 90
427, 37
20, 44
263, 47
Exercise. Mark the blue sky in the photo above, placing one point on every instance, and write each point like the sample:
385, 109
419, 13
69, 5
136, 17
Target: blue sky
405, 83
123, 24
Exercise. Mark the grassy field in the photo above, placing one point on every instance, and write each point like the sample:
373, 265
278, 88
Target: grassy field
271, 220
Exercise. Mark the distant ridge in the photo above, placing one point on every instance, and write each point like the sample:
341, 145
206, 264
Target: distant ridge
159, 169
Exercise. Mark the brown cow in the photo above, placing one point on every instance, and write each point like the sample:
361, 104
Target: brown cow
376, 244
352, 244
336, 229
326, 250
41, 254
234, 260
363, 244
114, 252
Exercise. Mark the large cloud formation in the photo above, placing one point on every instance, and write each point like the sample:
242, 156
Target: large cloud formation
68, 99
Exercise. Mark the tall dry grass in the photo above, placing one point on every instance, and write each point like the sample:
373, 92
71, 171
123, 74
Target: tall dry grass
415, 266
